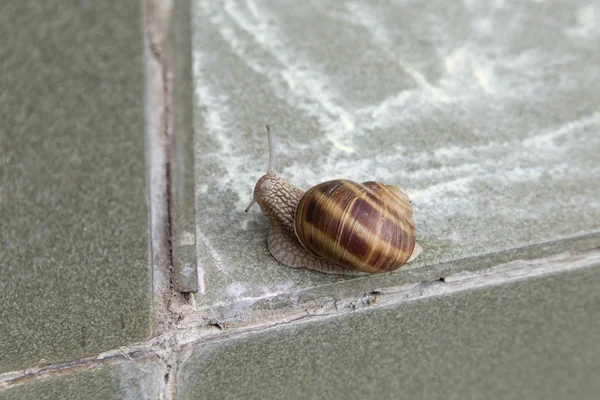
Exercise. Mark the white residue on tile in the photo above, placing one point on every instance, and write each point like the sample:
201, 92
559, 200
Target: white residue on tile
214, 255
270, 291
135, 382
244, 222
493, 162
242, 303
219, 122
201, 281
392, 111
305, 87
546, 139
236, 289
446, 199
588, 22
485, 71
488, 4
468, 70
340, 146
202, 188
291, 77
187, 239
368, 17
483, 26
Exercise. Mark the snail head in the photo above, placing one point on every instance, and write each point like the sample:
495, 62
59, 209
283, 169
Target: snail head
276, 197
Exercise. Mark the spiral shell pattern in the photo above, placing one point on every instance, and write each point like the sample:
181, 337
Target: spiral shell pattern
367, 227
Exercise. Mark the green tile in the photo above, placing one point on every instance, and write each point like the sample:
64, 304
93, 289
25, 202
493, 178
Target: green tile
183, 222
121, 381
532, 339
74, 273
487, 114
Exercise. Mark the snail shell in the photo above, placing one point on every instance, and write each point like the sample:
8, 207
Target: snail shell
354, 226
338, 226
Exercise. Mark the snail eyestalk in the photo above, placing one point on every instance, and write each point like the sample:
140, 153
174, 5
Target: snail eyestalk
250, 205
271, 166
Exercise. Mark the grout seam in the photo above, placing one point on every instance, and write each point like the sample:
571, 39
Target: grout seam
175, 344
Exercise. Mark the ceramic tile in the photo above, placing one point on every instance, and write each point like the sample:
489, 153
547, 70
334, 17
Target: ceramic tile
530, 339
120, 381
486, 113
74, 272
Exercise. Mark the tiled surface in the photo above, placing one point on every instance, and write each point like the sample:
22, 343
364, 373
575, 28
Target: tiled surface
121, 381
485, 112
534, 339
74, 273
183, 225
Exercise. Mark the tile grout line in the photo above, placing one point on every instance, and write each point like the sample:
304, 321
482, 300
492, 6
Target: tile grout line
174, 345
159, 114
157, 131
191, 333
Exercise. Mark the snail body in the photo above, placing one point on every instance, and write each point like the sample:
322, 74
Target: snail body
337, 227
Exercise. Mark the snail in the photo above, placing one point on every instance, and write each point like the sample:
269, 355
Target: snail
336, 227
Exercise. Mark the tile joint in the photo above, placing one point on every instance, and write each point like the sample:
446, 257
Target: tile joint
173, 346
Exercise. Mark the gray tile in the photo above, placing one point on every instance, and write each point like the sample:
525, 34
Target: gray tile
74, 274
533, 339
486, 113
122, 381
183, 224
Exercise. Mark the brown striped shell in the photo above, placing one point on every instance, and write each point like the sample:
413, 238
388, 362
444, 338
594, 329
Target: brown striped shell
365, 227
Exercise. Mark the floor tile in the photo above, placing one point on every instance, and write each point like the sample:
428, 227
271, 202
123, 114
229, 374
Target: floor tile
74, 272
485, 113
533, 339
121, 381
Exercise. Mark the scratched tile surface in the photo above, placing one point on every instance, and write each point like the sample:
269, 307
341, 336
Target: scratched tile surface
485, 112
